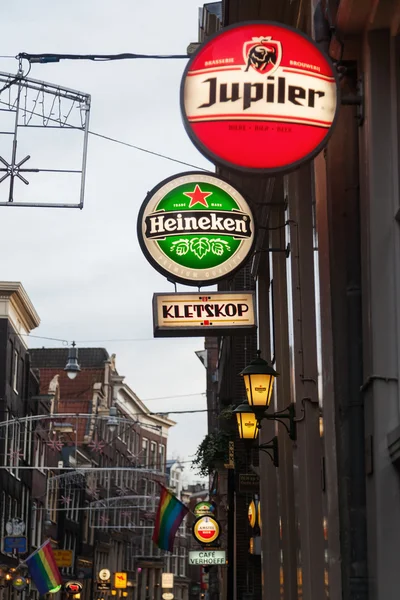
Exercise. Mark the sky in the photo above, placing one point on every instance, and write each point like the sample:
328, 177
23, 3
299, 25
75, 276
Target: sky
84, 270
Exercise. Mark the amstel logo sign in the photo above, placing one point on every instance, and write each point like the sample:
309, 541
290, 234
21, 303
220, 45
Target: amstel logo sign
206, 530
259, 97
195, 228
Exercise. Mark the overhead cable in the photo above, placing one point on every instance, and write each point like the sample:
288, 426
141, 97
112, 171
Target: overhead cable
53, 58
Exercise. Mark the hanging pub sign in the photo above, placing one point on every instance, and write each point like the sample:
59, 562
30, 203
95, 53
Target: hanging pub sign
206, 530
203, 508
259, 97
73, 587
252, 513
196, 228
191, 314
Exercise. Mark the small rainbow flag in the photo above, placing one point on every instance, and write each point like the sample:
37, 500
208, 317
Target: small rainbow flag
170, 514
43, 569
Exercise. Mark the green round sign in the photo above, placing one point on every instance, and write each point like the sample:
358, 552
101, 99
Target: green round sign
203, 508
196, 228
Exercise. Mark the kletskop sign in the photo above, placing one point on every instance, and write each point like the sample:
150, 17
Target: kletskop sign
259, 97
196, 228
195, 313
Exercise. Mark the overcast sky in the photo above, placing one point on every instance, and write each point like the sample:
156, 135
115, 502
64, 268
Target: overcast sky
84, 270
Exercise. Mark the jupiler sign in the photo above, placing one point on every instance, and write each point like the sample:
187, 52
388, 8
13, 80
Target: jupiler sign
259, 97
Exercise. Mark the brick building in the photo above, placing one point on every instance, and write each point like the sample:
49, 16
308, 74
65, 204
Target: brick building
22, 478
102, 498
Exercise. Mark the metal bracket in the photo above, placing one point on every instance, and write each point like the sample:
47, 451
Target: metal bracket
288, 413
356, 99
271, 445
285, 250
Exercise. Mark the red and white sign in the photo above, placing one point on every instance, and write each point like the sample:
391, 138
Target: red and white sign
259, 97
206, 530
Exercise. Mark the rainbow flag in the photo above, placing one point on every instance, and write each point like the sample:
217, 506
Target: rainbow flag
170, 514
43, 569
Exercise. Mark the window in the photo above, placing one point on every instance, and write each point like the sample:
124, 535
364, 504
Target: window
161, 454
20, 380
52, 497
14, 381
145, 452
37, 518
40, 454
182, 562
12, 447
153, 455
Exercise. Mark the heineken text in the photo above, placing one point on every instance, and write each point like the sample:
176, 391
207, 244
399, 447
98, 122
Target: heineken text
162, 224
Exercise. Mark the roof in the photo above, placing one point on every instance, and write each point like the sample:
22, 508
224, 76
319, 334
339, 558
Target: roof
57, 357
15, 292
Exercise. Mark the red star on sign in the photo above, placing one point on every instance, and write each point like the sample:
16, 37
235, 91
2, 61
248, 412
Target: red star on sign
197, 196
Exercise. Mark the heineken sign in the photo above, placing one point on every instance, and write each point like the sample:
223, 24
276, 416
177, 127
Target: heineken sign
196, 314
259, 97
196, 228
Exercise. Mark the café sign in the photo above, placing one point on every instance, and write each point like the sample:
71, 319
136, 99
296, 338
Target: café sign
196, 228
207, 557
259, 97
196, 314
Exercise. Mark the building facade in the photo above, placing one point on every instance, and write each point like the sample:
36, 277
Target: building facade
328, 319
103, 499
19, 398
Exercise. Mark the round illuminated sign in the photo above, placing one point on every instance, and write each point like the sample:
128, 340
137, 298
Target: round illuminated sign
259, 97
73, 587
196, 229
104, 574
19, 583
206, 530
168, 596
252, 513
203, 508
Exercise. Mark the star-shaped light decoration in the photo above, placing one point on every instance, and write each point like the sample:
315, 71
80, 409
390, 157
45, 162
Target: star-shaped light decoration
197, 196
104, 520
15, 454
122, 491
97, 446
55, 445
125, 513
93, 491
65, 499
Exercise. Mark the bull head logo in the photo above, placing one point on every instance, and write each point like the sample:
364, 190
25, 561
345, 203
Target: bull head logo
262, 54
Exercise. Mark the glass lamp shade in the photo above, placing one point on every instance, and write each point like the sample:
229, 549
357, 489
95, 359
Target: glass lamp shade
259, 389
72, 367
259, 379
247, 424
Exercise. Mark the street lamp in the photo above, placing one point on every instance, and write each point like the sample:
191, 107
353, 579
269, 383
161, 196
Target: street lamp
259, 379
246, 421
112, 421
72, 367
248, 427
